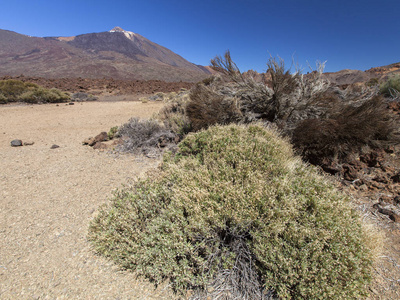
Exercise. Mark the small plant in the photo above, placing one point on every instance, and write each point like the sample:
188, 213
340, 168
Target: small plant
234, 215
113, 133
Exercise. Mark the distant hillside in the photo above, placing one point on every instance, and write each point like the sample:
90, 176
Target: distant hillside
344, 77
117, 54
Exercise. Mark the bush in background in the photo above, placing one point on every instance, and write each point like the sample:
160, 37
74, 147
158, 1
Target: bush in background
15, 91
391, 87
173, 114
42, 95
234, 214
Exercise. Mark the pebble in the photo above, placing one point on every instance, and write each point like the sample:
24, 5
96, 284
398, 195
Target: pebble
16, 143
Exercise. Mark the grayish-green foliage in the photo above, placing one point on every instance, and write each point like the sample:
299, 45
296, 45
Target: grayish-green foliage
234, 214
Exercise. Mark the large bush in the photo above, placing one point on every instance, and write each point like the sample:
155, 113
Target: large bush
234, 214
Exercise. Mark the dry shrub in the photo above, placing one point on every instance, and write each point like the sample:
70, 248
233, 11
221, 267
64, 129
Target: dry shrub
173, 114
42, 95
234, 215
207, 108
345, 131
281, 97
145, 136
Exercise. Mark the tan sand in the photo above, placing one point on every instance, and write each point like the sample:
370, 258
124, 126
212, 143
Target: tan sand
48, 197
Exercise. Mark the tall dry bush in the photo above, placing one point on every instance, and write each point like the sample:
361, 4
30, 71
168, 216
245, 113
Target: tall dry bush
345, 131
285, 98
207, 108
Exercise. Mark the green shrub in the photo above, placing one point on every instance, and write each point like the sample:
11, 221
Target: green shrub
15, 90
42, 95
3, 99
113, 132
391, 86
234, 214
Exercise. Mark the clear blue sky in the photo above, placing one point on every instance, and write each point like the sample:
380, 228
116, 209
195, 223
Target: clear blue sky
350, 34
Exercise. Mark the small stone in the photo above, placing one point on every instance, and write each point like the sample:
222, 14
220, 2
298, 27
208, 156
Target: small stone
87, 141
102, 137
16, 143
71, 103
54, 147
100, 146
29, 143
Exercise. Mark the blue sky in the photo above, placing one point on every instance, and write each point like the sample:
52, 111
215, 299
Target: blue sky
350, 34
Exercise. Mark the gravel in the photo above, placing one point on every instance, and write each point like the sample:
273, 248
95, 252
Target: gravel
48, 197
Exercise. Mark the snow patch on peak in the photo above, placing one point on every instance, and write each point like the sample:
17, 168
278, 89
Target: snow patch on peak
117, 29
129, 34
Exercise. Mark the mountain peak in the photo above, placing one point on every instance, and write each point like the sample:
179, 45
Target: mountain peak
129, 34
117, 29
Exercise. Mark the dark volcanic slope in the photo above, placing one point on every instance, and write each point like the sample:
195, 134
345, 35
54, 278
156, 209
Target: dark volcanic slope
117, 54
107, 41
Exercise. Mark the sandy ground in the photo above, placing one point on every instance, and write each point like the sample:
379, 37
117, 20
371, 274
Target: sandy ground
48, 197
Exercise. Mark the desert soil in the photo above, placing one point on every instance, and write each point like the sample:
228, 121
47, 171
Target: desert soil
48, 197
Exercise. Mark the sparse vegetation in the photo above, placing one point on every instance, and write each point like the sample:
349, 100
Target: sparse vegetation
234, 214
18, 91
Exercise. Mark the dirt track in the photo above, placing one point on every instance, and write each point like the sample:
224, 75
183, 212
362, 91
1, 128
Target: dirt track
48, 197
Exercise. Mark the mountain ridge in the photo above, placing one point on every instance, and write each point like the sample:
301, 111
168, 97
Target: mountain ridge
116, 53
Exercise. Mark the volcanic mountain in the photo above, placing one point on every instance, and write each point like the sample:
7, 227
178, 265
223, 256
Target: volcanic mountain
117, 54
